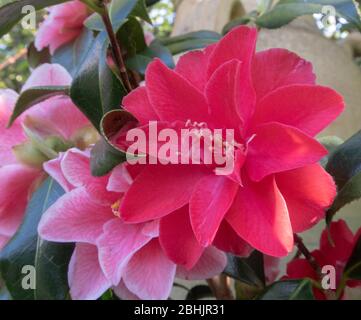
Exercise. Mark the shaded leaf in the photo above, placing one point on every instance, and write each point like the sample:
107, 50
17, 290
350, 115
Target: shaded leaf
287, 10
199, 292
35, 58
33, 96
248, 270
289, 290
27, 249
353, 266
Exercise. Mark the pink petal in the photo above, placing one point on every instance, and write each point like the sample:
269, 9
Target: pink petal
9, 137
193, 66
276, 148
149, 273
86, 279
305, 107
16, 186
211, 263
260, 217
75, 217
117, 245
172, 96
177, 239
60, 116
53, 168
211, 199
119, 180
123, 292
276, 68
137, 103
76, 169
228, 240
230, 95
3, 241
238, 44
160, 195
308, 192
48, 75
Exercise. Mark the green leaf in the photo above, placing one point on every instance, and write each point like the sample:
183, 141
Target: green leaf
140, 11
190, 41
27, 249
33, 96
353, 266
344, 165
330, 143
95, 89
119, 11
287, 10
248, 270
105, 155
71, 55
11, 13
36, 58
235, 23
199, 292
289, 290
141, 61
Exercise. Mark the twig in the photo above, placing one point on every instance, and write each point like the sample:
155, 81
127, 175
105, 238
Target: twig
303, 249
116, 50
220, 286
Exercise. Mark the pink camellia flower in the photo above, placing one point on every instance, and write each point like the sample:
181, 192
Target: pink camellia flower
334, 254
64, 24
271, 101
110, 253
56, 122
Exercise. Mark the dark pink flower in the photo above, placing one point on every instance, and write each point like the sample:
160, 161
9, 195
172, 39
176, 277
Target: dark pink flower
63, 24
110, 253
272, 102
334, 254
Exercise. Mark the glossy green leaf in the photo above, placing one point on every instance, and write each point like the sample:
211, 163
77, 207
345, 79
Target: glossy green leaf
12, 13
190, 41
33, 96
287, 10
105, 155
248, 270
71, 55
140, 10
344, 165
50, 260
95, 89
289, 290
141, 61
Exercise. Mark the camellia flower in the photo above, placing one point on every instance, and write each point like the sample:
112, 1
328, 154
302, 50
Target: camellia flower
34, 138
63, 24
271, 101
110, 253
334, 254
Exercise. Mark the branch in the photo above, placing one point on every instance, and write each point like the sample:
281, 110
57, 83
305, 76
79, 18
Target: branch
220, 286
303, 249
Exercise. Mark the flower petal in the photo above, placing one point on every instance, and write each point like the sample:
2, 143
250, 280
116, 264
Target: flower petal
230, 95
276, 68
86, 279
260, 217
172, 96
180, 244
308, 192
137, 103
212, 263
240, 44
149, 273
211, 199
75, 217
276, 148
305, 107
162, 189
117, 245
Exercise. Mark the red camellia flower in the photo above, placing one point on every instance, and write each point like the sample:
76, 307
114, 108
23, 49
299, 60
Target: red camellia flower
334, 254
272, 103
